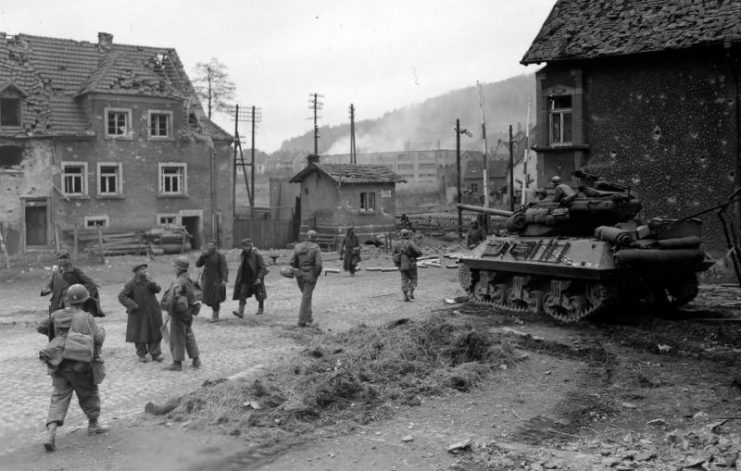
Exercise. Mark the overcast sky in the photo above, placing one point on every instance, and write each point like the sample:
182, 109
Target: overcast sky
377, 54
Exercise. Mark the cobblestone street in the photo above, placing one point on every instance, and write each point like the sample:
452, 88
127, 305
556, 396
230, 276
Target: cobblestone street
229, 347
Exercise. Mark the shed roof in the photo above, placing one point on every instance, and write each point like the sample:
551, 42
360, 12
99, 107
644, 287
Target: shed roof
348, 173
587, 29
55, 73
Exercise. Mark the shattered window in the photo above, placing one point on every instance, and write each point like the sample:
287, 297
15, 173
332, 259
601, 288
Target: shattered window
159, 124
172, 179
367, 202
10, 156
10, 112
95, 221
74, 176
559, 116
109, 178
117, 122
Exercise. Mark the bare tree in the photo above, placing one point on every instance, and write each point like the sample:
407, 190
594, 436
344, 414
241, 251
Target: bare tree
213, 86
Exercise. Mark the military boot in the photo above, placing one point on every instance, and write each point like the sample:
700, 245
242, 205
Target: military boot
260, 309
406, 296
215, 315
175, 366
240, 312
411, 293
94, 427
51, 434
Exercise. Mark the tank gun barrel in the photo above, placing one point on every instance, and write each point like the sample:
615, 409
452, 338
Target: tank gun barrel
484, 210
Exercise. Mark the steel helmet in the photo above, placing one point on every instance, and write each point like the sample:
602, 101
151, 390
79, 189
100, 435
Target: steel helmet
311, 235
181, 263
406, 233
77, 294
541, 191
556, 179
287, 271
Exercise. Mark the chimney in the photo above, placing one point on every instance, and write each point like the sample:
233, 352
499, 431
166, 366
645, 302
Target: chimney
105, 41
313, 159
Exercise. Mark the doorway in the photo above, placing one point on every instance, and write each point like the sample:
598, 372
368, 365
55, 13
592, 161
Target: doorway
36, 222
193, 226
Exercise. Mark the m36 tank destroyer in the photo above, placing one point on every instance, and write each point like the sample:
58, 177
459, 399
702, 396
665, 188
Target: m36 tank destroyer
584, 255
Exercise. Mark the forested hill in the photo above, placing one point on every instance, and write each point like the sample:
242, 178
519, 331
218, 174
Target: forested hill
430, 124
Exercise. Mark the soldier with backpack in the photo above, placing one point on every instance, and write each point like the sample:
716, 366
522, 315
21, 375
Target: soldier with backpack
180, 303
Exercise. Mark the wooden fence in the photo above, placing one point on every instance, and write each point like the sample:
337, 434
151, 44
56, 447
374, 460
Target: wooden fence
265, 233
442, 222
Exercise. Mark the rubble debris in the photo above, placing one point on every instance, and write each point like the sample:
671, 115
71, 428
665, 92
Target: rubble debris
460, 446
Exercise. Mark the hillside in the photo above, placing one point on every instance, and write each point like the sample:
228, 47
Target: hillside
430, 124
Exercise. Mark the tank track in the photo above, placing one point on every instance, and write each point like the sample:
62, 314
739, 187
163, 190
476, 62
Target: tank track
564, 300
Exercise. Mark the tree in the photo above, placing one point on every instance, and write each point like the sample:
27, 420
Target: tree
213, 86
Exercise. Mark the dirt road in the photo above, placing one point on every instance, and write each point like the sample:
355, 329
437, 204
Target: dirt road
634, 394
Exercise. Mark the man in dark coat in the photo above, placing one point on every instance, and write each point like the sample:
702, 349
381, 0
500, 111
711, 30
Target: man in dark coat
64, 276
215, 276
475, 235
144, 314
405, 254
250, 279
350, 251
181, 305
307, 264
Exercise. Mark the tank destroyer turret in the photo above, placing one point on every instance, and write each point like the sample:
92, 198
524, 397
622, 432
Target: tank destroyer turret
585, 255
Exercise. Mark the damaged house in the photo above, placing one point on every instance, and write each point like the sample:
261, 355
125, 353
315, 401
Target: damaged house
103, 134
335, 197
646, 93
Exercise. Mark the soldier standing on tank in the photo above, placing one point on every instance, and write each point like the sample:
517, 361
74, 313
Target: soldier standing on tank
307, 264
405, 255
180, 303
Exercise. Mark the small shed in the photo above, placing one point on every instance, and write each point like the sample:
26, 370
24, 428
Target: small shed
335, 197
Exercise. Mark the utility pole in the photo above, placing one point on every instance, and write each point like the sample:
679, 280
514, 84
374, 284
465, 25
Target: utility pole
511, 173
253, 115
316, 105
353, 150
485, 170
458, 132
526, 154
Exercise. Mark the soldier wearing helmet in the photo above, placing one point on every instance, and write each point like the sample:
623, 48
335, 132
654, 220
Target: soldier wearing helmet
307, 264
563, 193
404, 255
476, 234
77, 375
181, 305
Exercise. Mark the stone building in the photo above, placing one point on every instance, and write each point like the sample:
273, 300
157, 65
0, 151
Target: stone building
104, 134
646, 93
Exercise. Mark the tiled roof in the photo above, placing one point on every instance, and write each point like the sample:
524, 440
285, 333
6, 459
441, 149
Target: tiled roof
56, 73
347, 173
586, 29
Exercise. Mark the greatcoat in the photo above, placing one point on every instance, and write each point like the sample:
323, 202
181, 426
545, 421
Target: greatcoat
215, 270
251, 269
143, 309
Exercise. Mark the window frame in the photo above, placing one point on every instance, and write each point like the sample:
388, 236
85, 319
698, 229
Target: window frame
160, 216
19, 112
83, 177
105, 219
128, 132
150, 116
367, 197
183, 190
118, 175
561, 113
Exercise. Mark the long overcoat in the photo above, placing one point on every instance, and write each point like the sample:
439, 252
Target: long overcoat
60, 281
350, 250
143, 309
257, 271
215, 270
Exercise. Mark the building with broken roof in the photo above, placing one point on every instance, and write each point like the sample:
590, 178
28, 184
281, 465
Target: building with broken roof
105, 134
335, 197
645, 92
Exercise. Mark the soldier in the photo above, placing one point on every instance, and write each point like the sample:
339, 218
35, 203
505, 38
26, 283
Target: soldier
62, 277
180, 303
475, 235
350, 251
69, 375
215, 276
250, 279
563, 194
144, 314
405, 255
307, 264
